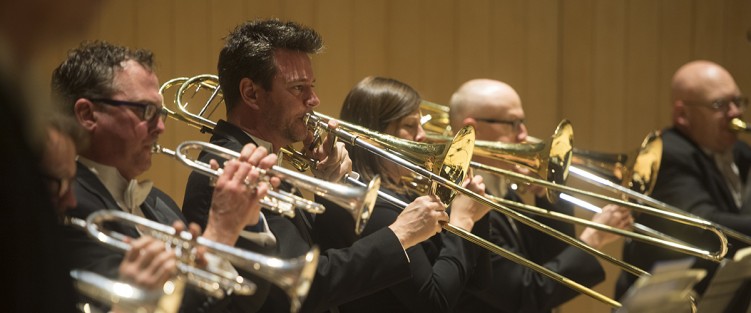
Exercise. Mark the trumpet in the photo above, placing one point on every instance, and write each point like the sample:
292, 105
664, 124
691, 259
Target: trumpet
294, 276
125, 296
358, 202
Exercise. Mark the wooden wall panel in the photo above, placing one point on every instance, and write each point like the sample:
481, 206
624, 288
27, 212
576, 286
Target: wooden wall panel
333, 67
606, 65
473, 39
438, 75
405, 41
641, 79
368, 47
608, 105
577, 68
508, 45
676, 41
539, 87
708, 30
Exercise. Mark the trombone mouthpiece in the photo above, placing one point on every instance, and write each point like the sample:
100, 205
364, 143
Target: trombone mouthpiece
739, 126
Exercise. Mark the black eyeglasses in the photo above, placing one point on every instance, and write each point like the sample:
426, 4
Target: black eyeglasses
740, 102
58, 185
150, 111
515, 124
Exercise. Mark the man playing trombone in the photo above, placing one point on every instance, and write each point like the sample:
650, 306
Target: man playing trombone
704, 167
113, 94
268, 83
495, 110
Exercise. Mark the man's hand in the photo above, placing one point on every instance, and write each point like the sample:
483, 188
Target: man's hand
419, 221
235, 202
465, 211
537, 190
333, 158
148, 264
611, 215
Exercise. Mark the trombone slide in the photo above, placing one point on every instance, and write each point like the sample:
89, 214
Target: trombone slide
469, 236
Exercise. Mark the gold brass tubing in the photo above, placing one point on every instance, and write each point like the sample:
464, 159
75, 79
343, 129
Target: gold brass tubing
676, 217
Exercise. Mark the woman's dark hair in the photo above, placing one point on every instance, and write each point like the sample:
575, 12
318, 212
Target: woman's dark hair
374, 103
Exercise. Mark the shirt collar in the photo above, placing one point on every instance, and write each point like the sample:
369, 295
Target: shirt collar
129, 195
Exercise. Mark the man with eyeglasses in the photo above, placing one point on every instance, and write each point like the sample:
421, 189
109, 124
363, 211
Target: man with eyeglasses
704, 167
113, 94
58, 165
495, 110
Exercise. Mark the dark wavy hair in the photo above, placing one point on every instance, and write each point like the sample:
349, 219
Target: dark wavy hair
249, 52
374, 103
89, 71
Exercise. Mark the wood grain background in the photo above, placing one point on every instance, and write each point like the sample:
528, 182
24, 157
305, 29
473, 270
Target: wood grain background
603, 64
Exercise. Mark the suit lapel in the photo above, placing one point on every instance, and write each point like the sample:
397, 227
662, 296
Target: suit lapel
91, 184
718, 181
155, 209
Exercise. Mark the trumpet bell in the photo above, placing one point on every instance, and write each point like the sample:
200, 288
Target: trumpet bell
127, 297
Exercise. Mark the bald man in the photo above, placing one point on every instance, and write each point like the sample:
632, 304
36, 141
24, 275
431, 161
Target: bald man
704, 168
495, 110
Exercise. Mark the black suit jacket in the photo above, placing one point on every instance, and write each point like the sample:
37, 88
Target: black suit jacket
441, 266
516, 288
689, 180
370, 264
35, 265
91, 255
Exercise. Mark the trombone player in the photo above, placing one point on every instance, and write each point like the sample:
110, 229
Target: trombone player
147, 264
268, 84
495, 110
704, 167
113, 94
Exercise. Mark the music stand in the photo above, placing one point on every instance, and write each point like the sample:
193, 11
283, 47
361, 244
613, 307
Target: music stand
669, 289
730, 288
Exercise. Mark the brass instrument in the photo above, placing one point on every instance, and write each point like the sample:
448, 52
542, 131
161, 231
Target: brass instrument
125, 296
549, 160
294, 276
358, 202
640, 176
452, 169
640, 180
676, 217
435, 118
739, 125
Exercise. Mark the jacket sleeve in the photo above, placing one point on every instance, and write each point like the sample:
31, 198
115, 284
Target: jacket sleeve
517, 288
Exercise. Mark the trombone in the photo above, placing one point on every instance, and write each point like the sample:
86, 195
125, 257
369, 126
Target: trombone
452, 169
357, 201
294, 276
640, 178
739, 125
